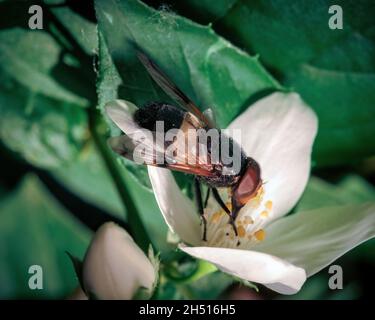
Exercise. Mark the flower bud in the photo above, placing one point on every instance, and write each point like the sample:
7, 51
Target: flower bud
115, 267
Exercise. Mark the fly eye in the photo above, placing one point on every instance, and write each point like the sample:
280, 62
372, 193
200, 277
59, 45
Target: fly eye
248, 184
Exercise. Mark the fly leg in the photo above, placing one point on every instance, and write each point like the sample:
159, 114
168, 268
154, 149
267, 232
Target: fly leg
225, 208
198, 199
207, 196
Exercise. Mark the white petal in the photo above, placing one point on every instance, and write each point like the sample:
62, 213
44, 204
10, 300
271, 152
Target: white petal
179, 212
114, 266
314, 239
271, 271
278, 132
121, 113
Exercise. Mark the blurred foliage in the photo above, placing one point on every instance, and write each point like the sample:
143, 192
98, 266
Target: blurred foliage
209, 287
40, 119
35, 230
50, 79
43, 89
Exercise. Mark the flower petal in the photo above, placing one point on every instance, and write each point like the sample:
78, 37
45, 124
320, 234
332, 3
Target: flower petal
114, 266
314, 239
259, 267
178, 211
121, 113
278, 132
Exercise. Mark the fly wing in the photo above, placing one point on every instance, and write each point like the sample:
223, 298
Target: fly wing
141, 151
177, 152
170, 88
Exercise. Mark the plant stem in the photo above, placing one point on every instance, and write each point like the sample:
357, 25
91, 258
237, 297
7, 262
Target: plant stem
134, 220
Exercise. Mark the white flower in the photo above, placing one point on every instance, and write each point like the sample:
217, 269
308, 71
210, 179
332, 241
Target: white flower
280, 252
115, 267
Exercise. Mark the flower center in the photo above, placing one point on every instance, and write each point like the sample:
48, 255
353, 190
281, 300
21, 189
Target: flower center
249, 222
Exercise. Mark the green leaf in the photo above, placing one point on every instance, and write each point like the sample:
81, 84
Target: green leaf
206, 288
209, 287
142, 294
333, 70
46, 77
206, 67
189, 271
351, 190
36, 230
206, 10
199, 61
40, 120
344, 102
78, 265
33, 58
108, 82
44, 131
81, 29
89, 179
202, 11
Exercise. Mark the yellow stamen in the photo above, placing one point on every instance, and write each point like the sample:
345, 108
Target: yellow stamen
216, 217
248, 220
256, 201
264, 214
268, 205
229, 205
241, 231
260, 234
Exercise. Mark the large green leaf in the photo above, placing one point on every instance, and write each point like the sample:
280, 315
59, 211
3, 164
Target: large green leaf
333, 70
210, 70
206, 67
35, 230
